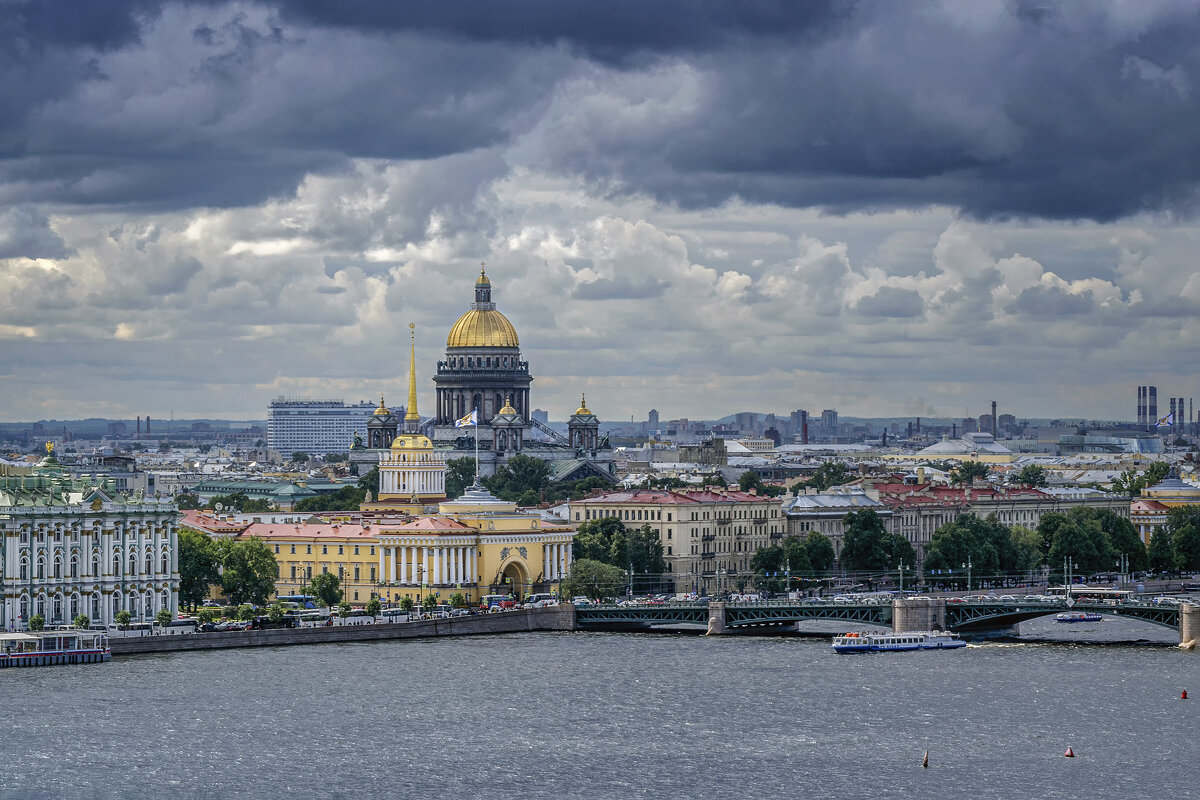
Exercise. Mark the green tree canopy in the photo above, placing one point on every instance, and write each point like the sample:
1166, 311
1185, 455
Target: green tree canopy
518, 475
863, 542
1031, 475
967, 471
373, 607
608, 540
163, 617
37, 622
327, 588
347, 498
370, 482
1131, 482
1079, 538
122, 618
1028, 553
820, 552
591, 578
1184, 524
967, 540
460, 473
240, 502
199, 562
80, 621
299, 456
249, 570
187, 502
830, 473
1161, 552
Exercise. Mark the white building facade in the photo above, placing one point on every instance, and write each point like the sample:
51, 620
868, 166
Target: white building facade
68, 549
315, 426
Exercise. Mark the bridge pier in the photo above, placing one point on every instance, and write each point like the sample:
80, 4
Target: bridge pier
919, 614
716, 618
1189, 624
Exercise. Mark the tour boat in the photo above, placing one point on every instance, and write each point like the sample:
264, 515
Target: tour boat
867, 642
44, 648
1078, 616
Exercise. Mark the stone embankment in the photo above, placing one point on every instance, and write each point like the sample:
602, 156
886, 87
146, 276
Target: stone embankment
555, 618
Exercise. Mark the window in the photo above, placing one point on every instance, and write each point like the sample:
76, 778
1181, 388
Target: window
276, 549
341, 550
308, 549
293, 549
372, 549
324, 549
356, 568
293, 572
355, 549
372, 574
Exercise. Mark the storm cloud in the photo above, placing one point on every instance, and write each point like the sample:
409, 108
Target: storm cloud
813, 196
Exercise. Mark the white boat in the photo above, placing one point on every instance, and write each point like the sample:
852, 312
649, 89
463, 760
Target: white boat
1079, 616
45, 648
871, 642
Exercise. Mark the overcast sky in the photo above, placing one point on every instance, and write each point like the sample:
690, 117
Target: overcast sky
884, 208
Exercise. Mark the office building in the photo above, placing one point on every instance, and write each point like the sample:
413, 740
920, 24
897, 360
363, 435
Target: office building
315, 427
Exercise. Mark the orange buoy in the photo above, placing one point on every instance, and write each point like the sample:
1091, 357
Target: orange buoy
1069, 754
1184, 695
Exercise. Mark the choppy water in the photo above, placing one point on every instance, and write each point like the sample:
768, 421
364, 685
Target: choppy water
608, 716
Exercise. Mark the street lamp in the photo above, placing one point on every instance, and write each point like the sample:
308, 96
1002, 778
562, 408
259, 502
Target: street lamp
1068, 565
967, 566
901, 578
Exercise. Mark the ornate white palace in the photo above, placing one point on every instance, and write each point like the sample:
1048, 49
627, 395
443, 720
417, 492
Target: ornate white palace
70, 548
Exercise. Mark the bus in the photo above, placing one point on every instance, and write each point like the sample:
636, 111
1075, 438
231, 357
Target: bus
300, 600
1090, 593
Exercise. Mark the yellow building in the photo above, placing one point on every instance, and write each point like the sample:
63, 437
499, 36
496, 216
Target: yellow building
302, 551
476, 545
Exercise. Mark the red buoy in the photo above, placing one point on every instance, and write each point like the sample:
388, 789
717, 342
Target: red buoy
1184, 695
1069, 754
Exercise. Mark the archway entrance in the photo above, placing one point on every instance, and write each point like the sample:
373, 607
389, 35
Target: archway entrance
515, 578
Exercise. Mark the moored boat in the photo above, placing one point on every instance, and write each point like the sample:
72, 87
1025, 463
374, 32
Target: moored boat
46, 648
1079, 616
873, 642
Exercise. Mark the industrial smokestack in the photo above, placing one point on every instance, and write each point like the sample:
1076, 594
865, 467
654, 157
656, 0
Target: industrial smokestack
1152, 406
1172, 409
147, 424
803, 427
918, 424
1141, 406
139, 426
994, 426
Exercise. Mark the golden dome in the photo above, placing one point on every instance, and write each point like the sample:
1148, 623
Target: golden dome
508, 409
411, 441
483, 278
583, 409
382, 411
483, 328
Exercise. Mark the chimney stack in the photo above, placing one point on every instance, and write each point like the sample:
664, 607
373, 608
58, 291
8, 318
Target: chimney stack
995, 428
139, 426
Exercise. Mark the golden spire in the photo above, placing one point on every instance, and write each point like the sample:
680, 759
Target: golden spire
412, 377
583, 409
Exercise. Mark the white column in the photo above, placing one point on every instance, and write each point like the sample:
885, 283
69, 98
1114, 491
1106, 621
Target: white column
404, 565
556, 559
437, 565
381, 571
546, 561
472, 566
391, 563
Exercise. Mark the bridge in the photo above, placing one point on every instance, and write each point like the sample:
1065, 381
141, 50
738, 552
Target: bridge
907, 614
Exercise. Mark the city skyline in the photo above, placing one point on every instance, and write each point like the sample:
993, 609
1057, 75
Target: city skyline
886, 210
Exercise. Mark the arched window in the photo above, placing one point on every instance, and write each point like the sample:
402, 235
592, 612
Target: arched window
24, 569
96, 565
149, 564
41, 568
74, 606
165, 565
116, 603
95, 605
132, 566
58, 605
57, 568
116, 564
74, 567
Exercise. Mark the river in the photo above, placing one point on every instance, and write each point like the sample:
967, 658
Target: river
591, 715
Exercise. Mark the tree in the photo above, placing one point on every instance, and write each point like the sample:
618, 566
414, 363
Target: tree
1027, 549
429, 603
276, 613
830, 473
80, 621
1077, 537
1162, 554
327, 588
458, 600
37, 622
370, 482
967, 540
968, 471
1031, 475
750, 480
1184, 524
343, 609
460, 473
187, 502
123, 618
608, 540
373, 607
518, 475
406, 604
199, 562
249, 570
820, 552
334, 458
528, 499
591, 578
1131, 482
163, 617
862, 544
300, 457
241, 502
347, 498
246, 612
205, 615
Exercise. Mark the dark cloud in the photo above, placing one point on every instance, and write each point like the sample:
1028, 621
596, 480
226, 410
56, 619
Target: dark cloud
620, 288
25, 233
891, 301
1061, 111
1052, 301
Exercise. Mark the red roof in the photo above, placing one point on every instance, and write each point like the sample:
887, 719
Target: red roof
267, 530
434, 524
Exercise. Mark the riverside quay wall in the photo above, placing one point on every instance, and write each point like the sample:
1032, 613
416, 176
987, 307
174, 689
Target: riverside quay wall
555, 618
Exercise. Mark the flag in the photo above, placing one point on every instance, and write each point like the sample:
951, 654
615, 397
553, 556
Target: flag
1169, 419
468, 420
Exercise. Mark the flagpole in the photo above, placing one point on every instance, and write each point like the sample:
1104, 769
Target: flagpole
476, 451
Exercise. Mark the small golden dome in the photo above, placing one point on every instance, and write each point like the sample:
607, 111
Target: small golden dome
508, 409
382, 411
583, 409
483, 328
410, 441
483, 278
